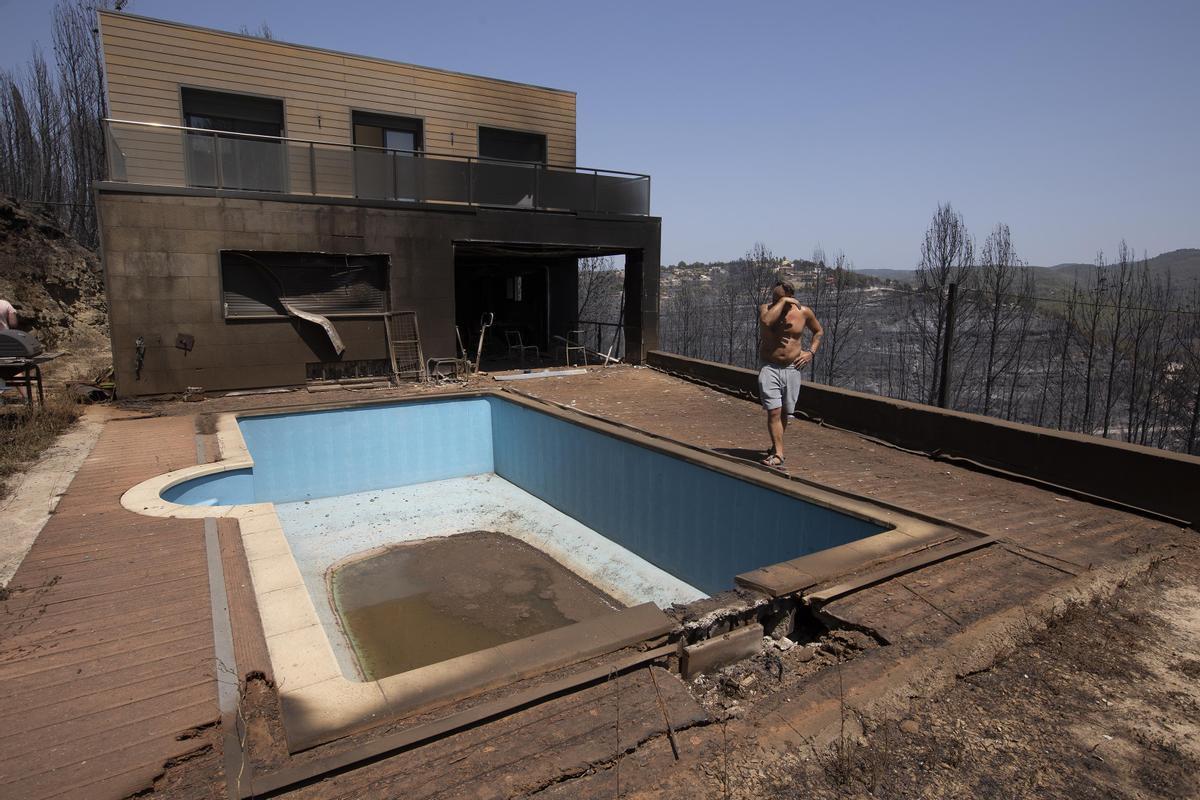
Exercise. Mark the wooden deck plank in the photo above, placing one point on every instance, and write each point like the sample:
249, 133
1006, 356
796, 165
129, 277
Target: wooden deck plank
75, 685
106, 643
249, 642
95, 631
145, 746
89, 668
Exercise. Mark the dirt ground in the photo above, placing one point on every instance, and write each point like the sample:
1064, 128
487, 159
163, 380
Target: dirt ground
1103, 702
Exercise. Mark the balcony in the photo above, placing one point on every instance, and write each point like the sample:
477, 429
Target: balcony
171, 155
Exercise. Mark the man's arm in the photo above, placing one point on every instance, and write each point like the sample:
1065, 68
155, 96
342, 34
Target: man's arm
817, 332
11, 313
769, 314
806, 355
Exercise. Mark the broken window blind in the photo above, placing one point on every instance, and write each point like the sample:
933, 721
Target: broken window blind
258, 284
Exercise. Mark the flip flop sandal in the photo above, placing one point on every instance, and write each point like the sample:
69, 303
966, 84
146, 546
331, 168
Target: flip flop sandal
773, 461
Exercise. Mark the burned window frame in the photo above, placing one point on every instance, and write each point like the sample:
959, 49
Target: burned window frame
269, 262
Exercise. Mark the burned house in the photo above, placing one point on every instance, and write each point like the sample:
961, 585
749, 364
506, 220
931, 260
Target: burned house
276, 213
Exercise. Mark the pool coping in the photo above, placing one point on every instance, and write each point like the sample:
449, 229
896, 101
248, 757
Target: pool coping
320, 704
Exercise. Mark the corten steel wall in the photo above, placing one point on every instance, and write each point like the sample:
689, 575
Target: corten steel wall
148, 60
1156, 480
160, 251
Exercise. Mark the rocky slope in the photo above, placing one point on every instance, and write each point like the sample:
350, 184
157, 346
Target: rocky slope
58, 289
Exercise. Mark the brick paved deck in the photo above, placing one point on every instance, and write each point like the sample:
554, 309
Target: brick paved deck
106, 647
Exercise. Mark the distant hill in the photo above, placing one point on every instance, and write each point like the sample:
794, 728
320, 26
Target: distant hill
901, 275
1183, 265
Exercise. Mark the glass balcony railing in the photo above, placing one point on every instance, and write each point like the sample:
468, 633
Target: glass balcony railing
172, 155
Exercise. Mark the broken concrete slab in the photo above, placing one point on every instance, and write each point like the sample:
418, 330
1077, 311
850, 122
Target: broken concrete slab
714, 653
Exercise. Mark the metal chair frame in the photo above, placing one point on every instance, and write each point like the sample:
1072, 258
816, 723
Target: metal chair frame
516, 344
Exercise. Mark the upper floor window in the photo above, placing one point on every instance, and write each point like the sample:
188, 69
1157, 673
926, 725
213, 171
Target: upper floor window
399, 134
383, 145
234, 156
512, 145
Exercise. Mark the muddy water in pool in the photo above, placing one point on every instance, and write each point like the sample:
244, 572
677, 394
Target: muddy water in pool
421, 603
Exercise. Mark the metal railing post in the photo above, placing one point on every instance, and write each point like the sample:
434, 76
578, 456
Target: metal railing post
217, 160
312, 168
537, 185
109, 147
395, 157
595, 192
470, 181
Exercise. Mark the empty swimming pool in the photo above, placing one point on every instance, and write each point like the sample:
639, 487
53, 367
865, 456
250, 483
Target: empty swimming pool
359, 519
698, 524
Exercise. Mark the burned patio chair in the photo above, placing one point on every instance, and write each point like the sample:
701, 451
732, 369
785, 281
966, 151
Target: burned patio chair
573, 343
517, 345
452, 369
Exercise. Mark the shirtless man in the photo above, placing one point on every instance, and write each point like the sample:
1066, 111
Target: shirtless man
8, 315
782, 353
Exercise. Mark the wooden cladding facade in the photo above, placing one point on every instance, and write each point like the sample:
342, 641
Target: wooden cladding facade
147, 62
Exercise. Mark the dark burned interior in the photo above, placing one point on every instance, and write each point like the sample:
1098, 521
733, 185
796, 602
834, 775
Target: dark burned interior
529, 288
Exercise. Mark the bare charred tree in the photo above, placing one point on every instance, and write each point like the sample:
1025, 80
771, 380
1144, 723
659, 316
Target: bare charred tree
1187, 378
51, 121
1090, 333
1155, 421
839, 307
1065, 362
20, 165
600, 283
947, 254
686, 329
1142, 321
1025, 307
760, 271
263, 31
997, 276
596, 286
728, 314
1049, 353
1117, 300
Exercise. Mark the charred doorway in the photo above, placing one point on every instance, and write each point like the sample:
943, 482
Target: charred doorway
531, 291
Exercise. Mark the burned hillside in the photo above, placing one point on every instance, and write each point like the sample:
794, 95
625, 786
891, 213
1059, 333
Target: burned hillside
57, 287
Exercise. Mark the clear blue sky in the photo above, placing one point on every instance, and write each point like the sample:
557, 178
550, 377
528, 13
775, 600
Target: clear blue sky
840, 123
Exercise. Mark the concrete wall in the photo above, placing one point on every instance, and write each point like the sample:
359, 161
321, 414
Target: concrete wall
1145, 477
160, 253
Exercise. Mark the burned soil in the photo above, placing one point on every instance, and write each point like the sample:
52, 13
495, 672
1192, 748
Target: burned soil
1097, 704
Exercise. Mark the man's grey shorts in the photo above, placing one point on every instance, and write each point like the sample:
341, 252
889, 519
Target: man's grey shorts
779, 387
